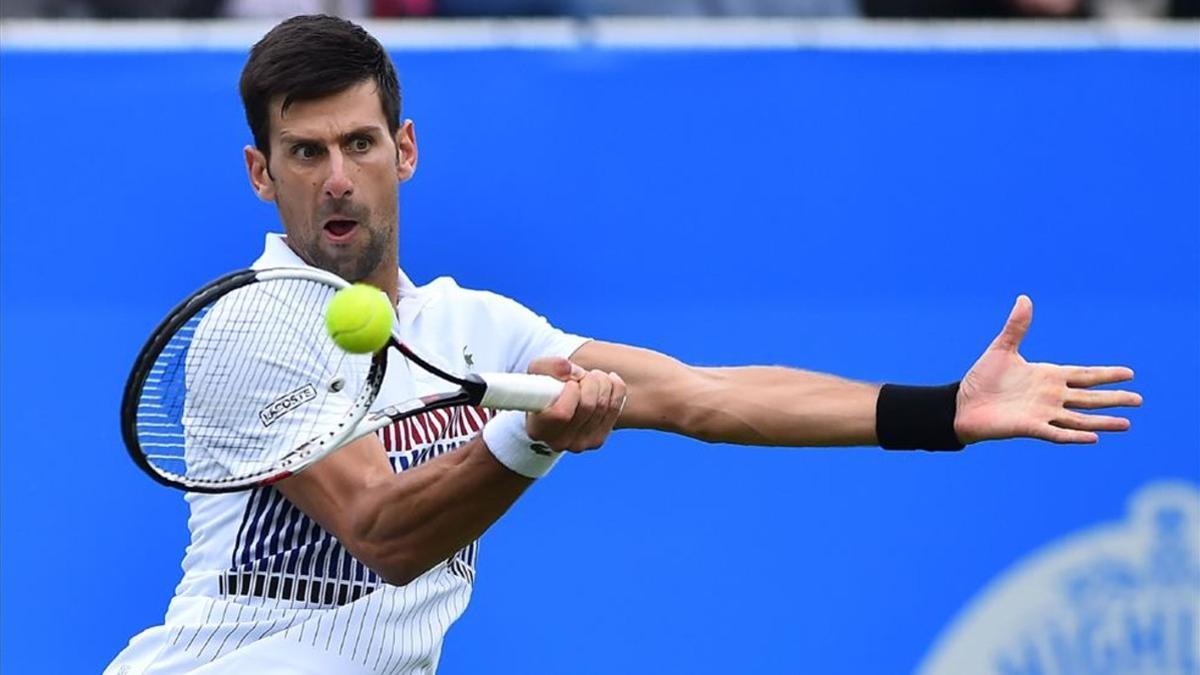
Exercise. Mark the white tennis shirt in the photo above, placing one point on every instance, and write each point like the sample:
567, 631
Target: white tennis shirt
265, 589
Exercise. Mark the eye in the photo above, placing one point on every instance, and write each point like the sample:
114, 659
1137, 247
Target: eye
305, 151
360, 144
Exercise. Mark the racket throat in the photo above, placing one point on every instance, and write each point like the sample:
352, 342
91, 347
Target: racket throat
475, 388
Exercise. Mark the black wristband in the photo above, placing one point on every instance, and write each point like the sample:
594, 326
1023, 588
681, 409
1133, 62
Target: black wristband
917, 418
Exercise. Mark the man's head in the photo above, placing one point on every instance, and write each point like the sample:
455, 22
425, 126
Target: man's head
323, 103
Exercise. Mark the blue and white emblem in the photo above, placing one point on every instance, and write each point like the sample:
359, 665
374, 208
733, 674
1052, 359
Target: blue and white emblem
1122, 597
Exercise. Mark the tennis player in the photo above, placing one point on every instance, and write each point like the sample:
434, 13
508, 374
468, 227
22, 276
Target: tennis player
361, 563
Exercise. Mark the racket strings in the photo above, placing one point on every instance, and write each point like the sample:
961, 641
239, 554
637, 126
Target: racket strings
245, 381
254, 347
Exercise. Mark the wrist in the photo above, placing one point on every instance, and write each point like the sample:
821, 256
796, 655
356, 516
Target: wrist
961, 431
912, 418
508, 440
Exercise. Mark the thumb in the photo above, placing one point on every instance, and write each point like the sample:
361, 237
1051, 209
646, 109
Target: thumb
554, 366
1014, 330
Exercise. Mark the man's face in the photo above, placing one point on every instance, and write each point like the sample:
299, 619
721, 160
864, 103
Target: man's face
334, 174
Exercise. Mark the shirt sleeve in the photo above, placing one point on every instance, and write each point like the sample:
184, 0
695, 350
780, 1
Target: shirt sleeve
527, 335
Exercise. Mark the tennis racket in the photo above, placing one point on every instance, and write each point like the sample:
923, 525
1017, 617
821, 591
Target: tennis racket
240, 385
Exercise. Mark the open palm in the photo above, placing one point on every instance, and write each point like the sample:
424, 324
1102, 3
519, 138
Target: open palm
1005, 396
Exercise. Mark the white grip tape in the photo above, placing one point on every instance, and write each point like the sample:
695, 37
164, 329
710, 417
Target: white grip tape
513, 391
506, 438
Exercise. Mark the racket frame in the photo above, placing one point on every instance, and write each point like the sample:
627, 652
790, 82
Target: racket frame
507, 391
306, 454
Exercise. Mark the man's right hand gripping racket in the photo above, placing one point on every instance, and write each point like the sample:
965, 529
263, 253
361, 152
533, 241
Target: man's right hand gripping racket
240, 385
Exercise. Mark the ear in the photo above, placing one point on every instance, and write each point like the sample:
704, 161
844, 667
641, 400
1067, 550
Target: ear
260, 175
406, 151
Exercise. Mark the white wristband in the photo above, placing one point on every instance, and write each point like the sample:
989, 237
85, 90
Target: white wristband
506, 437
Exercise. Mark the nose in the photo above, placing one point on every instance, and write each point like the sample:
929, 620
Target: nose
338, 184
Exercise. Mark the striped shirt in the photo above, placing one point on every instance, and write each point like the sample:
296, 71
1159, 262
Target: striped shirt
265, 587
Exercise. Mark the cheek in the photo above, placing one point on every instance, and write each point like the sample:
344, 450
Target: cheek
295, 200
380, 177
298, 191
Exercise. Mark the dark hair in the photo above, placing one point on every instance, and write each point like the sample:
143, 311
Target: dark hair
311, 57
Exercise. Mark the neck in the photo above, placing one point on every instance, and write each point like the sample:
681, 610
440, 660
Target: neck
386, 278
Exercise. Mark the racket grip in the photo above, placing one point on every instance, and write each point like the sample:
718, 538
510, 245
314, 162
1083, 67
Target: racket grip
514, 391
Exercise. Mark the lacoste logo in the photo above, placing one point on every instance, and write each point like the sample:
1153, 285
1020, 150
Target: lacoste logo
468, 357
286, 403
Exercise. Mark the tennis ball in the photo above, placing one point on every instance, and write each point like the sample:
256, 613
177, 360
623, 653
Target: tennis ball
359, 319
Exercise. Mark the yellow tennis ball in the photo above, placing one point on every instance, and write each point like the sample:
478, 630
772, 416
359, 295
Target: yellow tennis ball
359, 319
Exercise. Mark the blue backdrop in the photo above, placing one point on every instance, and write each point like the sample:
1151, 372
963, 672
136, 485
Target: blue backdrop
869, 213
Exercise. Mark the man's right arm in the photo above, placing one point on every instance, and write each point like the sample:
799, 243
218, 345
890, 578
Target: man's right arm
402, 524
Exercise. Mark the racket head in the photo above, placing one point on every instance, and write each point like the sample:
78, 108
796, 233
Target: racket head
240, 385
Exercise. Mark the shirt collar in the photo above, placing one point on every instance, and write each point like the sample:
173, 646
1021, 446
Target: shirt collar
276, 253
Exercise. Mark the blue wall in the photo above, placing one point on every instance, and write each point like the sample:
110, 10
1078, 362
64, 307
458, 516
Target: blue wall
869, 213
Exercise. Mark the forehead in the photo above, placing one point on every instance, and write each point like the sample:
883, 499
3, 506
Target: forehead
352, 108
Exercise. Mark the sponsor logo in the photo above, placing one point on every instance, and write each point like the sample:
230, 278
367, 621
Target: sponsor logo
1117, 598
468, 357
286, 404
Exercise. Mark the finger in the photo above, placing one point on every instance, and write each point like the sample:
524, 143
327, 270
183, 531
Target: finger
615, 406
1091, 376
604, 387
593, 432
1073, 420
577, 372
1054, 434
1084, 399
601, 424
620, 393
1014, 330
547, 425
589, 390
553, 366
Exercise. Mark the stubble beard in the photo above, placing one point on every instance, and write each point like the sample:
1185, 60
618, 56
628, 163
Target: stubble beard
353, 266
350, 262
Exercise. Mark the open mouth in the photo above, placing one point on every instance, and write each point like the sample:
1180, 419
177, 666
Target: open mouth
340, 229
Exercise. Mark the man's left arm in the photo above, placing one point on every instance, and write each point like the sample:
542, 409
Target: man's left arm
753, 405
1002, 396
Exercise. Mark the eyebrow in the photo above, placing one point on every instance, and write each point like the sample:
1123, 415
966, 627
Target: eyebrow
288, 136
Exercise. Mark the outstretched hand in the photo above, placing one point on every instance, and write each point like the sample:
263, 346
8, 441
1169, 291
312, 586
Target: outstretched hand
1004, 396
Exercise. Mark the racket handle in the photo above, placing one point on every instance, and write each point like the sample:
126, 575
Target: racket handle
514, 391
